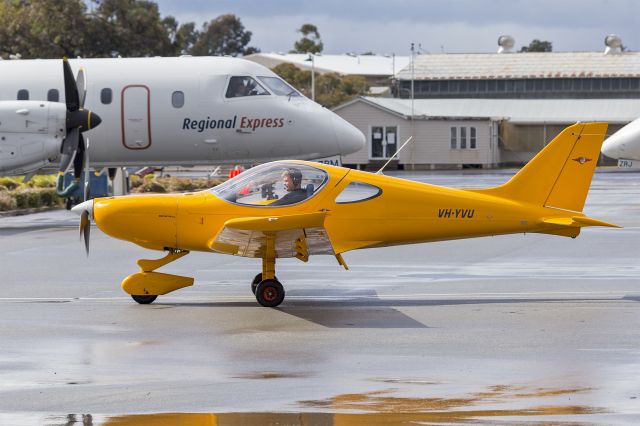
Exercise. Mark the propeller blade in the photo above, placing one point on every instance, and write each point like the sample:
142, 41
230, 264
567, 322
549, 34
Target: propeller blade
85, 229
81, 84
71, 96
69, 147
78, 161
87, 189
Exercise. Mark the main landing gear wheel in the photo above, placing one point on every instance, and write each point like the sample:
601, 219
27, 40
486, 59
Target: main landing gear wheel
270, 293
144, 300
256, 281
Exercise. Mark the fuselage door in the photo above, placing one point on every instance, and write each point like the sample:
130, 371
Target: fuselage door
135, 113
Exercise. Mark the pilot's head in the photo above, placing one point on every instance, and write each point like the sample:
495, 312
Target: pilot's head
292, 179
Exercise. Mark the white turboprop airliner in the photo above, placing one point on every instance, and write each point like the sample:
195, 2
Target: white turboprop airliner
624, 145
159, 111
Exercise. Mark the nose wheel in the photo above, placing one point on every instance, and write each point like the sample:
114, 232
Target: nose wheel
144, 300
269, 293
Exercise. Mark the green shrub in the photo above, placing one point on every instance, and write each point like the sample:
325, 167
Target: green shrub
49, 198
3, 188
7, 202
42, 181
33, 199
151, 186
22, 199
11, 183
135, 181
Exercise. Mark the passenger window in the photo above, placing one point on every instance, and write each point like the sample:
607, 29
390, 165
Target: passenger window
177, 99
53, 95
244, 86
273, 185
23, 95
106, 96
357, 192
279, 87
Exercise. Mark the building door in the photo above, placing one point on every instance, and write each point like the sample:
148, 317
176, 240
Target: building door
135, 113
384, 141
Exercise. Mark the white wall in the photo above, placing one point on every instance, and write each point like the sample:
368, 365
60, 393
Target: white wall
431, 144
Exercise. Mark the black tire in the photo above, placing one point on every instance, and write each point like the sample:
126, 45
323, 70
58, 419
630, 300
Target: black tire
256, 281
144, 300
270, 293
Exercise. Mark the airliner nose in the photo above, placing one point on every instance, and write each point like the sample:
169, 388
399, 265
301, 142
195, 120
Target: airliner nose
625, 143
350, 139
612, 148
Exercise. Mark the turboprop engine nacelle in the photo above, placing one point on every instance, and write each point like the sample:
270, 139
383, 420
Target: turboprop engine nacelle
31, 134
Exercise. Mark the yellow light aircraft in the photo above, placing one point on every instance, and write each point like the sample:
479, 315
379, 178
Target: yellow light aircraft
298, 209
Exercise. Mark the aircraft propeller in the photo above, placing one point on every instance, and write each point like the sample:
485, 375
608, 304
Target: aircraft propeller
78, 121
85, 211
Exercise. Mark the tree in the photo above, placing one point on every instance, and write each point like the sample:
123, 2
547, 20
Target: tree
42, 28
538, 46
224, 35
310, 41
181, 36
332, 89
127, 28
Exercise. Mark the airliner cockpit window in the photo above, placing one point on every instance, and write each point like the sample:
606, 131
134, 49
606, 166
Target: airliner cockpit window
273, 185
278, 86
244, 86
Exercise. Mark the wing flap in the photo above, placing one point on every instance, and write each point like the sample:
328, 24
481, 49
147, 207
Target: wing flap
294, 236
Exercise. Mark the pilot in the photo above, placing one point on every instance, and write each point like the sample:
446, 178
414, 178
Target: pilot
292, 179
237, 88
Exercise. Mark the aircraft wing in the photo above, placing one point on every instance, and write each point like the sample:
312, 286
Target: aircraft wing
299, 235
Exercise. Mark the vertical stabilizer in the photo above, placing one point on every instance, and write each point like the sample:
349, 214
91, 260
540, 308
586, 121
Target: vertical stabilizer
560, 175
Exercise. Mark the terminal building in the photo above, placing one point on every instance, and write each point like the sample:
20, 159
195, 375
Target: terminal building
377, 70
492, 109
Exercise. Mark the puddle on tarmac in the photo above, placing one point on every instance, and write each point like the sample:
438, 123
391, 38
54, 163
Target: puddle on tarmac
372, 408
262, 375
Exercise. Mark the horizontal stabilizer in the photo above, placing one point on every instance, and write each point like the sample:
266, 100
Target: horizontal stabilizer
577, 222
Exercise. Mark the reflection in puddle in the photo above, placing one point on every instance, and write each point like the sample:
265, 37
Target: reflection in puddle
372, 408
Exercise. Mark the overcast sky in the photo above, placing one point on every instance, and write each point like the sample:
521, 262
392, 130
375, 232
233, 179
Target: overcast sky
454, 26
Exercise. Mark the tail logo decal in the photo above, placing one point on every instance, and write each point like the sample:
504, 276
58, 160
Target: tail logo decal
581, 160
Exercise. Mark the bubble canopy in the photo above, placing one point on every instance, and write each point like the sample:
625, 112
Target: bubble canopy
273, 185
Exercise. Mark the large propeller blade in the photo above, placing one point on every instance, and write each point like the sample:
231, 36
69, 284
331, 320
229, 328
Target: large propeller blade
78, 121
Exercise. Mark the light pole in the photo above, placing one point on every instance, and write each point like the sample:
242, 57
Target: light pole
312, 58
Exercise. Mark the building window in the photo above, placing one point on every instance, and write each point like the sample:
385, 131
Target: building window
106, 96
53, 95
177, 99
23, 95
384, 141
468, 138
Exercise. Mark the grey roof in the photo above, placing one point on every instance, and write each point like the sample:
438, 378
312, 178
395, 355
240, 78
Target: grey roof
365, 65
515, 110
522, 65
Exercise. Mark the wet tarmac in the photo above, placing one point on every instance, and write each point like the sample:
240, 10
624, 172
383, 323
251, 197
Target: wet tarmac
521, 328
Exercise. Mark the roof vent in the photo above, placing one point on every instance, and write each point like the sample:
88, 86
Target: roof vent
506, 43
614, 45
